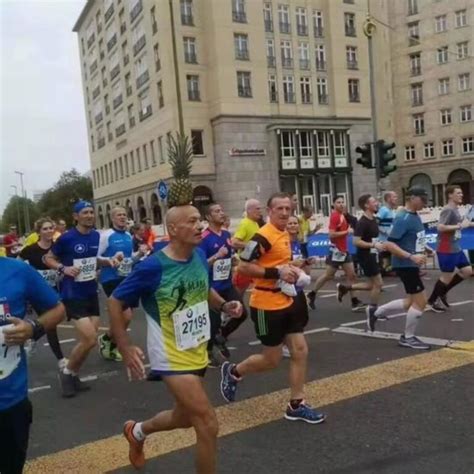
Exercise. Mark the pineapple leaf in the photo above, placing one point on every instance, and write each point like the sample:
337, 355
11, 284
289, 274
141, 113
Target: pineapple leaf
180, 156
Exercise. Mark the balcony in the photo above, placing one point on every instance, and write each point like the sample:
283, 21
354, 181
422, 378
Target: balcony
302, 30
187, 19
120, 130
145, 112
194, 95
190, 57
287, 62
305, 64
123, 28
306, 98
101, 142
136, 10
112, 42
323, 99
109, 13
268, 26
242, 54
90, 40
114, 72
98, 118
414, 40
318, 31
154, 27
320, 65
126, 59
95, 92
142, 79
117, 101
131, 122
271, 61
350, 30
352, 64
415, 71
239, 17
93, 67
139, 45
244, 91
273, 96
285, 27
129, 91
289, 97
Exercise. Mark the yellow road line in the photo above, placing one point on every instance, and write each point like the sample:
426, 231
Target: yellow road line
112, 453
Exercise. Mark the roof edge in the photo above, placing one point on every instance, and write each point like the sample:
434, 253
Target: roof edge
82, 16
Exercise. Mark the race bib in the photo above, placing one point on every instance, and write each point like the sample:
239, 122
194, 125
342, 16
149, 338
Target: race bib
374, 251
420, 242
87, 266
337, 255
192, 326
457, 234
50, 276
125, 267
221, 269
10, 356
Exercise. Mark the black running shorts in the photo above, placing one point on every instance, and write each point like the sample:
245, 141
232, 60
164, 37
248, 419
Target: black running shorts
411, 280
369, 264
82, 308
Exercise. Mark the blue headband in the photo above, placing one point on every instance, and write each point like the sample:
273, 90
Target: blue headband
80, 205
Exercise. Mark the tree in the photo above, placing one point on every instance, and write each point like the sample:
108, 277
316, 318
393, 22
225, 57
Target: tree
14, 213
57, 202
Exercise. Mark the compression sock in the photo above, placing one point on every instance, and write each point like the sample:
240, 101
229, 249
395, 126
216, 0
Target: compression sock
413, 317
454, 281
395, 305
54, 344
438, 290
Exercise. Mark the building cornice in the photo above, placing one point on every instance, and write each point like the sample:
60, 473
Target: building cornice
277, 118
82, 16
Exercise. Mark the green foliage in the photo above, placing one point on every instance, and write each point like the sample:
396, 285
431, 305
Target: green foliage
14, 213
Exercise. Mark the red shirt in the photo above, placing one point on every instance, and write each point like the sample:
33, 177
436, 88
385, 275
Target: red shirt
10, 239
338, 223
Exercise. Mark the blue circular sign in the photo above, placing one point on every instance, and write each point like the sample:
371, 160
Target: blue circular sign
162, 190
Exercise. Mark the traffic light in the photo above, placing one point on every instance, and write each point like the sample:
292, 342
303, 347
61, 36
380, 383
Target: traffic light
384, 157
365, 158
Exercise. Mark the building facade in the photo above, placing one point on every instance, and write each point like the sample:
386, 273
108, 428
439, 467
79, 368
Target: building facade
274, 96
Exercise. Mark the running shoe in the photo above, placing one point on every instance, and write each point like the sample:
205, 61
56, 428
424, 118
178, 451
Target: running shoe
135, 447
342, 290
305, 413
66, 382
220, 344
214, 362
413, 343
104, 347
286, 352
371, 318
62, 363
444, 300
79, 385
358, 306
435, 307
228, 382
115, 354
311, 299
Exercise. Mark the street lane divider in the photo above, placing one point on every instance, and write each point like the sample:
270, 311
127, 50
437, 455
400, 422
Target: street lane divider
310, 331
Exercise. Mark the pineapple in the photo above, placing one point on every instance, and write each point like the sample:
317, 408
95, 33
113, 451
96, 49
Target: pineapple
180, 157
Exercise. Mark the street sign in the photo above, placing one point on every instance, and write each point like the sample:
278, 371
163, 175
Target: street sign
162, 190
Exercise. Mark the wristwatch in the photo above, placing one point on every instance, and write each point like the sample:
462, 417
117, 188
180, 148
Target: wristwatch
38, 329
60, 269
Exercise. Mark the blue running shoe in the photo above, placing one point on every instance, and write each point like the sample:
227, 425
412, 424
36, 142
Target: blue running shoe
228, 382
413, 343
304, 413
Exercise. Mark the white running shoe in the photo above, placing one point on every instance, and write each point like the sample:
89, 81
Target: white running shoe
286, 352
62, 363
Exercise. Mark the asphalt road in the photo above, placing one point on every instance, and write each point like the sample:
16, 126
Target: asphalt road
390, 410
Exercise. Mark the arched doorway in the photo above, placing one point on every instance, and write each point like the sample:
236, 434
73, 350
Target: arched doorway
202, 196
463, 179
423, 181
141, 208
128, 207
155, 210
101, 217
107, 216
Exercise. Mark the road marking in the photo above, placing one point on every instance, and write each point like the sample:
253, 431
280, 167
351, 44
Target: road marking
393, 335
335, 294
100, 328
457, 320
310, 331
39, 389
64, 341
111, 453
459, 303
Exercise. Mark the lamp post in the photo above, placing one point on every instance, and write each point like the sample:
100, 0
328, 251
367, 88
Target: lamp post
17, 208
26, 211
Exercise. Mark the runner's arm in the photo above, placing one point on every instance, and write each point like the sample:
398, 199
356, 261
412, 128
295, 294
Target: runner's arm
118, 322
362, 244
52, 261
238, 244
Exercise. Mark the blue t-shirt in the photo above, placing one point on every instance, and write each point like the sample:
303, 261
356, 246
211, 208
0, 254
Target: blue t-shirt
19, 284
111, 242
385, 218
296, 253
221, 272
80, 250
408, 233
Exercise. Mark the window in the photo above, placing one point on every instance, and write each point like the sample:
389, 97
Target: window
410, 153
187, 12
241, 46
468, 145
429, 151
354, 93
419, 124
442, 55
322, 144
303, 51
301, 21
193, 87
415, 64
413, 33
465, 113
464, 81
189, 45
447, 147
417, 94
306, 146
440, 24
289, 90
145, 105
461, 18
284, 18
141, 71
117, 97
267, 17
145, 156
351, 57
161, 99
443, 86
318, 25
287, 145
286, 54
412, 7
320, 53
322, 88
349, 24
154, 23
238, 11
272, 88
132, 162
445, 117
131, 116
271, 60
463, 50
196, 140
152, 151
339, 144
305, 87
244, 86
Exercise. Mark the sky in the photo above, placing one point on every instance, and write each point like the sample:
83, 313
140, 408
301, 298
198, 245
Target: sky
43, 128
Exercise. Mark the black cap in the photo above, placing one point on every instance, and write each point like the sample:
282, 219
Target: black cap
417, 191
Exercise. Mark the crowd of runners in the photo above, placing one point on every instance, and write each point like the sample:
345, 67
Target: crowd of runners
193, 293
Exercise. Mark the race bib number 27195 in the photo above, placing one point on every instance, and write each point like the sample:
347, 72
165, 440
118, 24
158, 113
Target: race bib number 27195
192, 326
